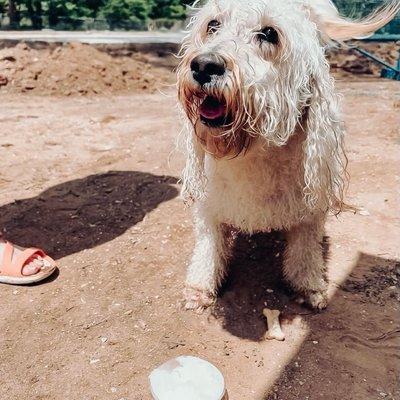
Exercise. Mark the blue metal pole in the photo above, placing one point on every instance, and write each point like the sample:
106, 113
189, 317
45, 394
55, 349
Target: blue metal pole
378, 60
398, 62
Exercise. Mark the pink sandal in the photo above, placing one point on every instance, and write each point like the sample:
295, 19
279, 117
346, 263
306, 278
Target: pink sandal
11, 270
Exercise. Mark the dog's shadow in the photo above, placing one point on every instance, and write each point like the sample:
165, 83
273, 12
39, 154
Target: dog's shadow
254, 282
85, 213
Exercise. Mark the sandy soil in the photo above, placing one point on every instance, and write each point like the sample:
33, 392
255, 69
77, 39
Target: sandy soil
94, 182
79, 69
75, 69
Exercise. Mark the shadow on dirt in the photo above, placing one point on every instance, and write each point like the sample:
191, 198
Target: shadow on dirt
352, 349
357, 334
254, 282
85, 213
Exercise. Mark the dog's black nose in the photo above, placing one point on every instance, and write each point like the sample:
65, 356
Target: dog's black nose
205, 66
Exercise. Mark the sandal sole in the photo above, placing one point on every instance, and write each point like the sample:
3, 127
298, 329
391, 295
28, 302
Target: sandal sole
26, 280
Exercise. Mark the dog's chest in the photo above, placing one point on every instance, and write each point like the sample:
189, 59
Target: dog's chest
259, 192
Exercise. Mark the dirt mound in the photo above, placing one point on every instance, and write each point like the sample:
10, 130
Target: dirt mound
74, 69
79, 69
351, 61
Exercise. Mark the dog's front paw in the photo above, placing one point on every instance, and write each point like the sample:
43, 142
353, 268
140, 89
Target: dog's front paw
317, 300
196, 299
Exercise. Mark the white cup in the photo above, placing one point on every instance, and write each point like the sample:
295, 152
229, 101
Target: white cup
187, 378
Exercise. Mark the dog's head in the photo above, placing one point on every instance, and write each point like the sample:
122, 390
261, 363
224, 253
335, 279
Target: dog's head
256, 69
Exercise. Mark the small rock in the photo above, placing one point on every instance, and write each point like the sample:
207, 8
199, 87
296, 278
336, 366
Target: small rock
9, 58
142, 324
94, 361
3, 80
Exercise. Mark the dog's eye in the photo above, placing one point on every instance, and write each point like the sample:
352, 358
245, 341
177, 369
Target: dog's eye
268, 34
213, 26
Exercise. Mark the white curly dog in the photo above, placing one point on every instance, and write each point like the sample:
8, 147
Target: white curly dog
264, 137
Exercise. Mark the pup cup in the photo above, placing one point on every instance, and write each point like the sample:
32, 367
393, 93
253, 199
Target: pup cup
187, 377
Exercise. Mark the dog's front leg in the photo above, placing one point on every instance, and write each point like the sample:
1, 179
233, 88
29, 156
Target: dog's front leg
207, 267
304, 267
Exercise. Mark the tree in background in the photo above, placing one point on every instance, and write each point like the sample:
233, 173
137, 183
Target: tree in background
168, 9
72, 13
35, 11
94, 6
13, 13
68, 11
118, 13
126, 13
54, 10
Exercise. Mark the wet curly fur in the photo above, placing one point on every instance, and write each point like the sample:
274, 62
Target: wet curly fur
279, 162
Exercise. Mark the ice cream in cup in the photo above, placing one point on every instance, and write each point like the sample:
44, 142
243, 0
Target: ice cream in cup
185, 378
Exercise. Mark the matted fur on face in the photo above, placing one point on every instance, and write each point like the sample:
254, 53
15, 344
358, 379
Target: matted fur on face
254, 72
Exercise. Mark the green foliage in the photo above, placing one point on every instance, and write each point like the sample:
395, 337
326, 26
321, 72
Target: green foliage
3, 6
126, 13
129, 14
117, 13
60, 10
170, 9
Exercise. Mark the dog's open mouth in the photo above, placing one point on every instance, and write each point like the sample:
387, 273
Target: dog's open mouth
213, 112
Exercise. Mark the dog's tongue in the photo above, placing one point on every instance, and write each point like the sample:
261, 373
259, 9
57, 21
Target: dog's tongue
211, 108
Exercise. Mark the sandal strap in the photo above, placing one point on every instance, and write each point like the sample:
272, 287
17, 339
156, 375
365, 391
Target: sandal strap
14, 268
6, 265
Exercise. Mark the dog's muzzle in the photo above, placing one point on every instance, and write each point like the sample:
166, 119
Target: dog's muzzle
206, 66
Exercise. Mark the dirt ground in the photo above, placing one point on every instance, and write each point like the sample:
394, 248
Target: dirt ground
80, 69
76, 69
94, 181
347, 61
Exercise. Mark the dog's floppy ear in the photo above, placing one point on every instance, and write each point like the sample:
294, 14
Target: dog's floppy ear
324, 158
335, 27
193, 176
